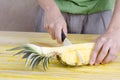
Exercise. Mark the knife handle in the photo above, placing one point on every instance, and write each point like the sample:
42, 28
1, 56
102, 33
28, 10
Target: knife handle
63, 36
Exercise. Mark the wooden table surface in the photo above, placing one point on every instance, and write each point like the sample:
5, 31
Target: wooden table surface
12, 67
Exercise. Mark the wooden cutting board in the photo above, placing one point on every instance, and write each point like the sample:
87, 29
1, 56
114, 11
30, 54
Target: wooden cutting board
12, 67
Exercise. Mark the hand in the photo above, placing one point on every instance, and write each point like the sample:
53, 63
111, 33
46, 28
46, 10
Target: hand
106, 49
54, 24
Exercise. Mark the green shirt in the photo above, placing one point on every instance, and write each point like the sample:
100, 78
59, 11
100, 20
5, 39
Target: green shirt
84, 6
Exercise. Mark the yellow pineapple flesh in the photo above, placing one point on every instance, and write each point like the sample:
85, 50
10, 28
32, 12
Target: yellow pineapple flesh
75, 55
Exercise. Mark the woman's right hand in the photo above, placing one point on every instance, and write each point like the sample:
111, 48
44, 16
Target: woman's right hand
54, 23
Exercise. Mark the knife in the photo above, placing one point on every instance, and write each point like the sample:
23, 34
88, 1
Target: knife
65, 40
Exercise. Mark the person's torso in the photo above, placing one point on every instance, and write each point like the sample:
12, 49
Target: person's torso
84, 6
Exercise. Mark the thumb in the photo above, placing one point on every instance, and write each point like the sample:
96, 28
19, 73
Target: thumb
65, 29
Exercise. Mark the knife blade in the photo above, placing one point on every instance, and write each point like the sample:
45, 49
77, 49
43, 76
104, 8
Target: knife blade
65, 40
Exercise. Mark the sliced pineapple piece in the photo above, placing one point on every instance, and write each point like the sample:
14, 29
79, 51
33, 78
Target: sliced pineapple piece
72, 55
77, 54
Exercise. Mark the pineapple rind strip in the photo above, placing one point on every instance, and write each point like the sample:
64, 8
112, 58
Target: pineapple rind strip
80, 57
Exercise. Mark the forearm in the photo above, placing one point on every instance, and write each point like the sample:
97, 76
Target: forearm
115, 21
47, 5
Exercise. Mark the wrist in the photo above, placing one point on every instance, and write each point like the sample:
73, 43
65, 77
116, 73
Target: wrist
113, 28
114, 24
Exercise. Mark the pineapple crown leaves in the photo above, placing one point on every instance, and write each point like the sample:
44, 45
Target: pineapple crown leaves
32, 56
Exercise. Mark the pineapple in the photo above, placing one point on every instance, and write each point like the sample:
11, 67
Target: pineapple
72, 55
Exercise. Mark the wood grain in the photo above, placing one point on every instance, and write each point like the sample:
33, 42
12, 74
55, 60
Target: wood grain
12, 67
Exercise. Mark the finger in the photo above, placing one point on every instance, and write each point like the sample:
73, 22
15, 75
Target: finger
58, 31
45, 25
95, 52
65, 29
103, 53
52, 31
111, 56
47, 28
